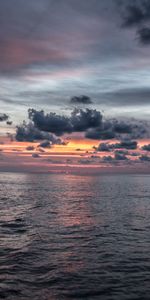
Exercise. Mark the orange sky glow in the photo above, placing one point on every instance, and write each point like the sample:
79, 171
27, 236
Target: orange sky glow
78, 155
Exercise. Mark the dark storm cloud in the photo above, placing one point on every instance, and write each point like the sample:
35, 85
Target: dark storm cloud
122, 127
3, 117
79, 121
89, 121
81, 100
111, 129
50, 122
28, 132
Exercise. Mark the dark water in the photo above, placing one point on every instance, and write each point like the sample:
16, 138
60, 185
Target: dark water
74, 237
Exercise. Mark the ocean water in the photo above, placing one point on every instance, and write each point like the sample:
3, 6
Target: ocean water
74, 237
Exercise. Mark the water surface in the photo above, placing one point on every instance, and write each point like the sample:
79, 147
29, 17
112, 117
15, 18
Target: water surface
74, 237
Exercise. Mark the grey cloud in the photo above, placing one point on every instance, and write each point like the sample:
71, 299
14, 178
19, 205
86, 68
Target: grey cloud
84, 161
76, 48
137, 96
116, 160
108, 159
79, 121
110, 129
122, 127
28, 132
146, 147
45, 144
144, 35
50, 122
119, 156
99, 134
134, 154
137, 14
103, 147
144, 158
134, 14
35, 155
126, 144
122, 152
3, 117
9, 123
81, 100
30, 148
90, 121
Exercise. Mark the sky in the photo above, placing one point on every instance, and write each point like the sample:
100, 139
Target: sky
77, 72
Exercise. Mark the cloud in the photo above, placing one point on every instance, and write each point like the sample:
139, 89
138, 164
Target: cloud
99, 134
30, 148
81, 52
122, 127
91, 122
146, 147
111, 129
135, 96
3, 117
138, 15
122, 152
79, 121
35, 155
28, 132
108, 159
144, 35
45, 144
134, 14
84, 161
117, 159
9, 123
81, 100
144, 158
126, 144
103, 147
119, 156
50, 122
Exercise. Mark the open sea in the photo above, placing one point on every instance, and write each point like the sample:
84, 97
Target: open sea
74, 237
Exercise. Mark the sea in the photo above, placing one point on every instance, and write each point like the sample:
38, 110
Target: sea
74, 237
